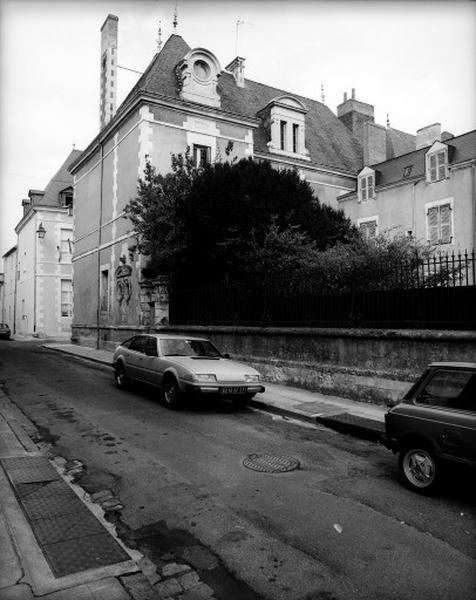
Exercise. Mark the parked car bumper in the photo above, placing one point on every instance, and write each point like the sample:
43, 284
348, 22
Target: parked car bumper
223, 389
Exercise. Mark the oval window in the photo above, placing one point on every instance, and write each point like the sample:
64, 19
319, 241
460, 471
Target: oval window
201, 69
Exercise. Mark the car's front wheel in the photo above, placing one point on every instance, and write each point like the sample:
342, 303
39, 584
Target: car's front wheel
121, 377
171, 394
419, 469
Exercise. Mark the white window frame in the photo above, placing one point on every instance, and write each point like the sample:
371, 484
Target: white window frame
197, 148
65, 247
364, 177
441, 168
365, 220
438, 204
69, 302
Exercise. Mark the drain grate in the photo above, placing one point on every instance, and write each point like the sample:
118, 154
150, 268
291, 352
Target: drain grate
270, 463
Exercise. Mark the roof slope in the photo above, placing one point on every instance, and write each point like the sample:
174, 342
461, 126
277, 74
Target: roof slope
391, 171
399, 142
61, 180
329, 142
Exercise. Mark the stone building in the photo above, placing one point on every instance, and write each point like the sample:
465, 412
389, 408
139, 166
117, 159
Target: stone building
428, 193
39, 297
186, 99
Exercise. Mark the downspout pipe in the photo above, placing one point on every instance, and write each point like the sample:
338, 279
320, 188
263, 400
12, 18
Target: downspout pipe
98, 296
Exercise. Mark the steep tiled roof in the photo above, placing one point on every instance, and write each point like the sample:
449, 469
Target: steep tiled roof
60, 181
392, 171
329, 142
399, 142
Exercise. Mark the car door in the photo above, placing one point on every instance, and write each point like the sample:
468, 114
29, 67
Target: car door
450, 416
135, 356
149, 362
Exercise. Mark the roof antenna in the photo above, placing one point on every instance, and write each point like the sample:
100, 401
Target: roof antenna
388, 120
323, 96
238, 23
175, 21
159, 37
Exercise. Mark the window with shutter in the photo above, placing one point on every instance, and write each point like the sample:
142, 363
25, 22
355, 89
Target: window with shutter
433, 233
368, 229
440, 224
363, 188
445, 224
441, 159
437, 164
433, 167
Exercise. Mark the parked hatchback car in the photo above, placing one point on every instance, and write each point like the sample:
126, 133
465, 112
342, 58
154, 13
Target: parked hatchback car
434, 425
182, 365
5, 331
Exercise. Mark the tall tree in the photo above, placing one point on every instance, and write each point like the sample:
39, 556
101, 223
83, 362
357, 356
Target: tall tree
224, 220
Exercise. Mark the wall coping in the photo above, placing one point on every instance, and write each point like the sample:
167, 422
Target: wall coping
403, 334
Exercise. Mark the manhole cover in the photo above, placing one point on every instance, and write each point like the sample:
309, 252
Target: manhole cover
269, 463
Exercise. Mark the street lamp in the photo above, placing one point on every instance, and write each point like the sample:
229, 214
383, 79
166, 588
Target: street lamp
41, 231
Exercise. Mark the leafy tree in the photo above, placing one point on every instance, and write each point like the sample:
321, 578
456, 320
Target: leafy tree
157, 212
230, 219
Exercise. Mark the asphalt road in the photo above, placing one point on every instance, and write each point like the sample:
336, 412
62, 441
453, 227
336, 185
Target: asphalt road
339, 527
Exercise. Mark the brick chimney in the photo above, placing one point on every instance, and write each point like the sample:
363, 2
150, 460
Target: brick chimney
354, 114
108, 83
358, 117
427, 135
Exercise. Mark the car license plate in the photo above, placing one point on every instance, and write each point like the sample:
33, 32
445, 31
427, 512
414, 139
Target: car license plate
233, 390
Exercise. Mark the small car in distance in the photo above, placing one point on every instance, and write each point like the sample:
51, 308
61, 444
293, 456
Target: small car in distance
434, 425
182, 365
5, 331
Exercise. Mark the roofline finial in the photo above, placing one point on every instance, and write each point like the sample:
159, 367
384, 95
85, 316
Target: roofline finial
323, 96
159, 37
175, 21
388, 120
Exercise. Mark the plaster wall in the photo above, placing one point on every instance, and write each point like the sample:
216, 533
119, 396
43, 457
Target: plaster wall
8, 292
404, 207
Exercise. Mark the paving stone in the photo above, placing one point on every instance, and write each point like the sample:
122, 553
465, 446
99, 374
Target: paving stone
102, 495
66, 527
166, 588
174, 569
149, 569
80, 554
200, 592
138, 587
188, 580
43, 489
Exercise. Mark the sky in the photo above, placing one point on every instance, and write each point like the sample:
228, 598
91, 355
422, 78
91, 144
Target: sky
413, 60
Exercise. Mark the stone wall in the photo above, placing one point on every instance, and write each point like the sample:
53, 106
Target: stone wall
368, 365
362, 364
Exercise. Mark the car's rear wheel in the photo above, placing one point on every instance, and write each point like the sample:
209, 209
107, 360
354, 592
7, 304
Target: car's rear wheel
419, 469
171, 394
120, 376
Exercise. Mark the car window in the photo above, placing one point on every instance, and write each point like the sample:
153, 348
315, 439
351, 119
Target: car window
150, 346
183, 347
127, 343
137, 343
451, 389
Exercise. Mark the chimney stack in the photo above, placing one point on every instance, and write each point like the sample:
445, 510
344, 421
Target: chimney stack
108, 83
427, 135
237, 68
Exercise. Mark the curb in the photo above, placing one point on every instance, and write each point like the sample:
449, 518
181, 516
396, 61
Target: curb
342, 421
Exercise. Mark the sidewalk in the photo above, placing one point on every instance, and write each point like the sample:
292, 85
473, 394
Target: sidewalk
348, 416
55, 541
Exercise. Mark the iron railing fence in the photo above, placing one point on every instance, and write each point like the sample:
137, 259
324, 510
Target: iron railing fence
434, 292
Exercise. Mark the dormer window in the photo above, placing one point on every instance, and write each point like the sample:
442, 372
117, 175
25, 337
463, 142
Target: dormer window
366, 185
285, 120
198, 74
437, 162
282, 134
